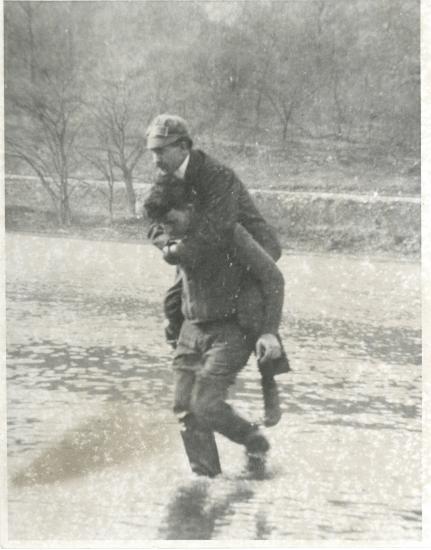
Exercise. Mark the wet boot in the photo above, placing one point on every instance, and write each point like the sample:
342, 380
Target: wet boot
257, 447
271, 401
200, 446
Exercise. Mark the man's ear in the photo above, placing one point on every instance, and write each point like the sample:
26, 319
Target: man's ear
184, 145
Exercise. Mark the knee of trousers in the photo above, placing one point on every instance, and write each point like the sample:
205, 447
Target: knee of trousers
181, 407
206, 409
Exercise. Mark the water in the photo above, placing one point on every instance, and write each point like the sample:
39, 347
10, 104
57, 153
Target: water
94, 452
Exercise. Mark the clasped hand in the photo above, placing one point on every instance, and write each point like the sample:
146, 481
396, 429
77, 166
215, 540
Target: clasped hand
171, 252
268, 347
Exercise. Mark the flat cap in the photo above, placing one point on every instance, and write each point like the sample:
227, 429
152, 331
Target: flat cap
166, 129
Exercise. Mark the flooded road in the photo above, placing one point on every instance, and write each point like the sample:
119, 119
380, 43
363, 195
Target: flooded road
94, 452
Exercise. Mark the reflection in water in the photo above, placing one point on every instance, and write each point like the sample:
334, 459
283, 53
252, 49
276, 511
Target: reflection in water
192, 514
90, 431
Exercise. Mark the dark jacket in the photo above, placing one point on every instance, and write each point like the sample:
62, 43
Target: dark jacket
211, 289
222, 200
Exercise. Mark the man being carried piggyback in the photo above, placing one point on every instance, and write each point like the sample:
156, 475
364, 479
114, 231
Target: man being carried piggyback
228, 295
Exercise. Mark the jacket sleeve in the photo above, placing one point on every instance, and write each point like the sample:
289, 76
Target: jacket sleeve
157, 236
253, 257
172, 308
172, 301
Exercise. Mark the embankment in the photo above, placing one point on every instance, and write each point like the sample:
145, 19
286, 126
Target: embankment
305, 221
347, 223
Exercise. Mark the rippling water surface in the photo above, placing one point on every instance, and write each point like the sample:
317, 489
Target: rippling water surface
94, 453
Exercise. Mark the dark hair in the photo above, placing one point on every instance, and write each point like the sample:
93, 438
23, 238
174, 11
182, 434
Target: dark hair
188, 141
167, 192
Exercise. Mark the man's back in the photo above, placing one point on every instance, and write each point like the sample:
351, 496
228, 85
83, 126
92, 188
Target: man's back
223, 200
211, 289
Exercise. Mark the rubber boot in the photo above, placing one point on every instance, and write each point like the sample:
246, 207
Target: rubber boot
271, 401
257, 447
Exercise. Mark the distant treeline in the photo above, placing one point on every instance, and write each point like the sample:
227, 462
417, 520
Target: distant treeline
83, 79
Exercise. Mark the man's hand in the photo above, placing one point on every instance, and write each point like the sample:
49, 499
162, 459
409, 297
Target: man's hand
268, 347
171, 333
172, 252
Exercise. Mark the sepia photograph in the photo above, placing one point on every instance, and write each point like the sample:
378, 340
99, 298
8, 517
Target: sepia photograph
212, 273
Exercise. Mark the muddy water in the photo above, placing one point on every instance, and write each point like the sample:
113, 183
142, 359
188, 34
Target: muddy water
94, 453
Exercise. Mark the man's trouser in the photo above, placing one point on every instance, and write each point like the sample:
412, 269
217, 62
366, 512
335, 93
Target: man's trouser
207, 360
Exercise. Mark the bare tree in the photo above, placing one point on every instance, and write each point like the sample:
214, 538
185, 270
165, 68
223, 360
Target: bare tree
117, 118
44, 98
43, 132
102, 161
280, 64
318, 69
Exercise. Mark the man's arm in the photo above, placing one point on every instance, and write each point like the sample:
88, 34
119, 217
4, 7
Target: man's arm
157, 236
163, 242
263, 268
173, 311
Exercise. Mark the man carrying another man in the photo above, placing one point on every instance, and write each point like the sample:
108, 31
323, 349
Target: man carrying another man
218, 295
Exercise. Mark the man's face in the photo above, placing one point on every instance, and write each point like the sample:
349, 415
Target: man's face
176, 222
170, 157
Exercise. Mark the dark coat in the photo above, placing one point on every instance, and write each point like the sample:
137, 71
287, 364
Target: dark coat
222, 200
